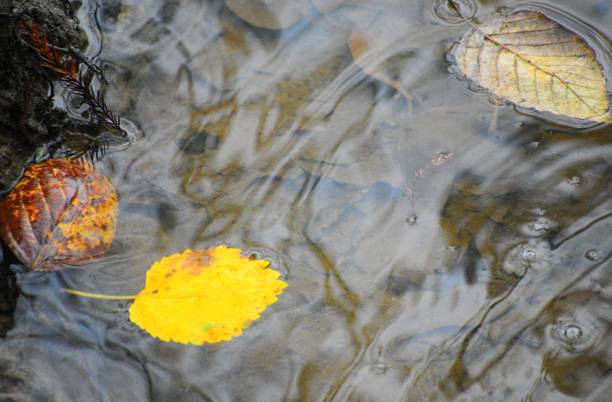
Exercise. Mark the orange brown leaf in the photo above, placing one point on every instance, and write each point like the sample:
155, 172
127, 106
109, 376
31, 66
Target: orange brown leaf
61, 213
51, 60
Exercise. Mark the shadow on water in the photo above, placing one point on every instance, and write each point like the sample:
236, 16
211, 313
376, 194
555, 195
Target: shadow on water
436, 246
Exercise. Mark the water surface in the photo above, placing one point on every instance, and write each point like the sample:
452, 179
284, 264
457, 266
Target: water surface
436, 246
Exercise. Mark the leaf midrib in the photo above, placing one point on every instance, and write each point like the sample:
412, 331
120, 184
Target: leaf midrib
535, 66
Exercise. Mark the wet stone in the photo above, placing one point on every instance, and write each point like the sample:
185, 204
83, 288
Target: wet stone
199, 143
28, 121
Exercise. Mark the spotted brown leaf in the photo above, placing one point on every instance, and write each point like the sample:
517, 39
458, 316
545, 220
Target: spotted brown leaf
61, 213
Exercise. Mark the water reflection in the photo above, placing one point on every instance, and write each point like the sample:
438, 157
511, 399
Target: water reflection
436, 246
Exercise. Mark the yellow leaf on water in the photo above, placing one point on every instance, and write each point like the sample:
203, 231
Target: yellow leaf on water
202, 296
536, 63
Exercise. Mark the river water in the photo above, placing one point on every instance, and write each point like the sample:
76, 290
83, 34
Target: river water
437, 245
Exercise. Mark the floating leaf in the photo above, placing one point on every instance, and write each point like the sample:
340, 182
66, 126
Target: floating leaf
530, 60
202, 296
61, 213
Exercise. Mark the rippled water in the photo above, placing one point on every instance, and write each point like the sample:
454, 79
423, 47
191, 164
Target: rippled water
437, 246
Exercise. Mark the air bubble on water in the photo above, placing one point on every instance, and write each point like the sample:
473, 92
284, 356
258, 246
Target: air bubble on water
538, 227
572, 332
576, 336
412, 219
592, 255
118, 141
133, 133
443, 12
527, 255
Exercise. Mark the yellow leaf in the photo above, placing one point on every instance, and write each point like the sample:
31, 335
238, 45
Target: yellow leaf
530, 60
202, 296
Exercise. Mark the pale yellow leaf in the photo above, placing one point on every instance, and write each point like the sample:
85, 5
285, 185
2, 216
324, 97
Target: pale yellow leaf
534, 62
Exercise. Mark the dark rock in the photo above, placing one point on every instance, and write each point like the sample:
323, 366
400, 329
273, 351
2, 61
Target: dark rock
8, 293
28, 120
